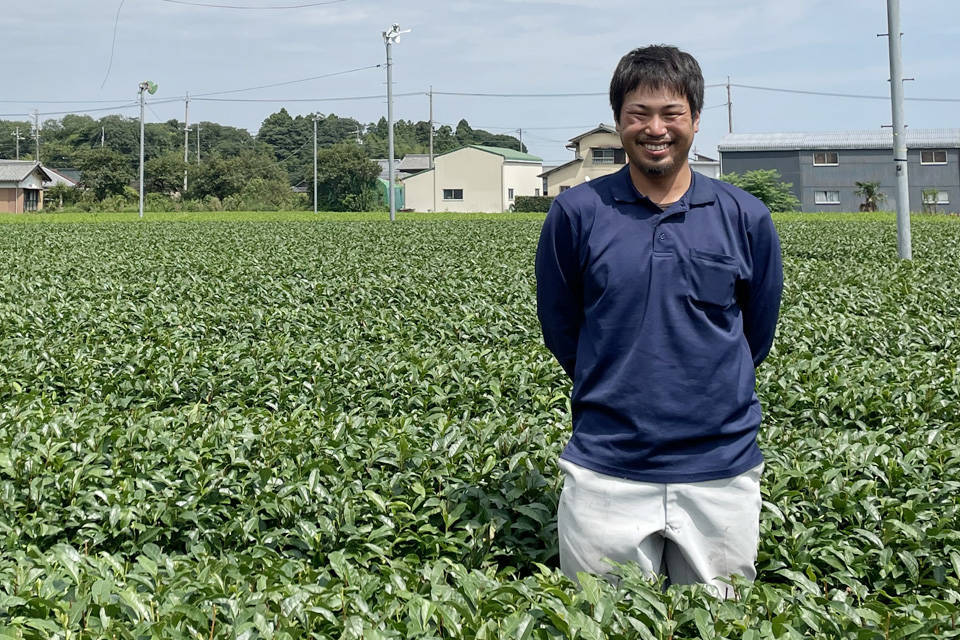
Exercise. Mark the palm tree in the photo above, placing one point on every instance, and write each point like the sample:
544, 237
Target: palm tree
871, 194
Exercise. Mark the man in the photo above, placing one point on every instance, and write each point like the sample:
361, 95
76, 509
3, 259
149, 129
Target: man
658, 291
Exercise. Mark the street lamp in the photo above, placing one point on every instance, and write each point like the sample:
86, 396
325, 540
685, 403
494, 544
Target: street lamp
151, 88
390, 37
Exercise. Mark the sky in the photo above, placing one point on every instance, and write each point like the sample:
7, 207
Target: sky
75, 55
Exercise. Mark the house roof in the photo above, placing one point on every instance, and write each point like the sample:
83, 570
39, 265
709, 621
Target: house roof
17, 170
600, 128
870, 139
565, 164
508, 154
69, 177
415, 162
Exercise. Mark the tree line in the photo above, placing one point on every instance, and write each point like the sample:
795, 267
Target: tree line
235, 169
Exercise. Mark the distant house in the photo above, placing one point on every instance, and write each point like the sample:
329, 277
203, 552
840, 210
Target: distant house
705, 165
474, 178
825, 167
408, 165
21, 186
597, 152
66, 177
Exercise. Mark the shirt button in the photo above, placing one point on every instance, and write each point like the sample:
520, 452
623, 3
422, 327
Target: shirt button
663, 236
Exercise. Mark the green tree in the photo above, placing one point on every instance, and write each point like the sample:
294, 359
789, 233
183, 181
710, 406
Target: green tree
164, 173
223, 176
346, 179
104, 172
766, 185
871, 194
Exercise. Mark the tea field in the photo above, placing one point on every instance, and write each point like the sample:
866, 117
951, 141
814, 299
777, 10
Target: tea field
349, 429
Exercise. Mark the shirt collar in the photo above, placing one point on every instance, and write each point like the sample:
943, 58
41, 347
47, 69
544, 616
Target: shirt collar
700, 191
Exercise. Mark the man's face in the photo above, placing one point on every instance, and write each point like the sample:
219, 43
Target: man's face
656, 129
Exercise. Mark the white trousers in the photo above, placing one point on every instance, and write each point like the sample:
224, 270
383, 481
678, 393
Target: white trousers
689, 532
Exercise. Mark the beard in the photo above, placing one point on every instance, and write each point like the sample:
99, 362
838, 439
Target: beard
655, 171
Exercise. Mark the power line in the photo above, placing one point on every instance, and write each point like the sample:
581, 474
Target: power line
838, 95
379, 96
113, 46
253, 7
289, 82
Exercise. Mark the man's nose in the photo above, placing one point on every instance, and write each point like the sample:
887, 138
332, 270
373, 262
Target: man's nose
656, 126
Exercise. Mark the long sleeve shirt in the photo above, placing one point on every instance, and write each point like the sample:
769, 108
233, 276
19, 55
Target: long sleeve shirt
660, 318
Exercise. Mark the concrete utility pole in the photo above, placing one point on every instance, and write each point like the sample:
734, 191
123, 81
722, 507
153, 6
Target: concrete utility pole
434, 176
36, 133
314, 163
150, 88
186, 138
18, 137
520, 132
389, 38
103, 135
904, 245
729, 109
198, 144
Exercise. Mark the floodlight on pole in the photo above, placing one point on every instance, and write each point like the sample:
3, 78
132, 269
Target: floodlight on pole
151, 88
389, 38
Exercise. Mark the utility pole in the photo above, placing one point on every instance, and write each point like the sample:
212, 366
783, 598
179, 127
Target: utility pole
389, 38
18, 137
103, 135
198, 144
36, 133
520, 132
186, 138
152, 89
434, 176
314, 163
904, 245
729, 109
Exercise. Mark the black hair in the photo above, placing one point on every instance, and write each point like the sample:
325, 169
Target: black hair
657, 67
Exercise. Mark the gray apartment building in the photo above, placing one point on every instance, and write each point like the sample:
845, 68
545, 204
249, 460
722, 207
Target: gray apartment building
825, 167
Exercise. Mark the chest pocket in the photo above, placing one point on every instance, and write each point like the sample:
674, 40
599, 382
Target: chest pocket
712, 278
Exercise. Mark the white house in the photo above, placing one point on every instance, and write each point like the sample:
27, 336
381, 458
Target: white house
474, 178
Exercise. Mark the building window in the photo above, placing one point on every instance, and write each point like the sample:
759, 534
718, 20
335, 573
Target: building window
940, 197
826, 159
31, 198
509, 194
602, 156
933, 157
453, 194
536, 192
826, 197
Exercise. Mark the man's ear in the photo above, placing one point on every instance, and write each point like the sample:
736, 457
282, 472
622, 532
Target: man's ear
696, 123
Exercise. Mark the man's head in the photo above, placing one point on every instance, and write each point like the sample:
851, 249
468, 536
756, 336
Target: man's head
657, 94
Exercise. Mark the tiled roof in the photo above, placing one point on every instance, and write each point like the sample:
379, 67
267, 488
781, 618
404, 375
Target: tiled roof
870, 139
16, 170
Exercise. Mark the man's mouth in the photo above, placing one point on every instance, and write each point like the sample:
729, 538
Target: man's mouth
655, 147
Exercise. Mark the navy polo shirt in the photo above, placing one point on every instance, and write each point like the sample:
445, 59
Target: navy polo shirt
660, 318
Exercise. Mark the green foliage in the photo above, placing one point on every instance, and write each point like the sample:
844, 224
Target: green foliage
766, 185
224, 176
346, 179
59, 196
164, 174
539, 204
871, 194
104, 172
346, 430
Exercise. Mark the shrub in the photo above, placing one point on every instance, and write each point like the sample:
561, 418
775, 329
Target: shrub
532, 203
766, 185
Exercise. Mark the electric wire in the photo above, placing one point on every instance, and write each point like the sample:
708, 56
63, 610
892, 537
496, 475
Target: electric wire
253, 7
113, 46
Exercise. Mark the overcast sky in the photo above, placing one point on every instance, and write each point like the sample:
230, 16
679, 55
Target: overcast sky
62, 51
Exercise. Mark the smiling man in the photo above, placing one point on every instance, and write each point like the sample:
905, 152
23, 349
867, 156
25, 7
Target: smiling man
658, 291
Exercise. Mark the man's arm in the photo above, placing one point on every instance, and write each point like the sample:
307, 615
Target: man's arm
559, 292
762, 306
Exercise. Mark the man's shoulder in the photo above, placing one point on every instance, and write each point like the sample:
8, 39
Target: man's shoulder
746, 202
589, 194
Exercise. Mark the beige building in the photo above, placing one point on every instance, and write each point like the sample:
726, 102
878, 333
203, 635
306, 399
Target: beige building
474, 178
21, 186
597, 153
